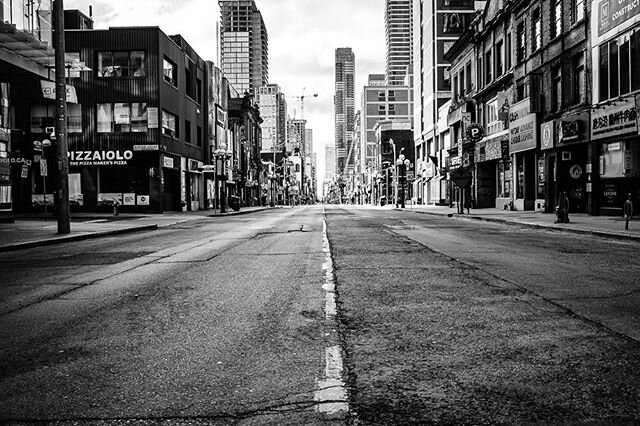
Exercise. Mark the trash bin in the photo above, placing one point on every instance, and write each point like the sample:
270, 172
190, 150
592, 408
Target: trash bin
234, 202
383, 200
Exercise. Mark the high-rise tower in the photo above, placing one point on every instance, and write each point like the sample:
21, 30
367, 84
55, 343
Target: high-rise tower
344, 102
273, 111
244, 45
398, 22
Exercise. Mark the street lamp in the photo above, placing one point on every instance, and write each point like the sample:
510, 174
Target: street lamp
395, 174
403, 163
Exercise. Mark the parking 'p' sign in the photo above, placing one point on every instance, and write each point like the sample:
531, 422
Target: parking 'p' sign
475, 132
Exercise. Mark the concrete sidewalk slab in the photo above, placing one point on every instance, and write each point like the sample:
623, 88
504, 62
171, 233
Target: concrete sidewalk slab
23, 233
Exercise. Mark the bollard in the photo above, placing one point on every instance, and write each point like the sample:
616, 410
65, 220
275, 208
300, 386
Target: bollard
628, 212
562, 210
116, 208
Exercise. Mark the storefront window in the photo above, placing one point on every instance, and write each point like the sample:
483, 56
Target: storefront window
541, 174
612, 160
504, 179
124, 180
520, 181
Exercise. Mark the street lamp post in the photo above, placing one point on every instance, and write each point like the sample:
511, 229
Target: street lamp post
395, 174
402, 163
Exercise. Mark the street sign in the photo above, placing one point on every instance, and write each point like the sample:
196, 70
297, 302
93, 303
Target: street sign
37, 146
461, 177
475, 132
43, 167
25, 171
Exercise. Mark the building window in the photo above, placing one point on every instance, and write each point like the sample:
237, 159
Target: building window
467, 84
199, 91
613, 69
199, 135
556, 88
187, 131
392, 95
522, 42
382, 110
536, 30
188, 79
170, 72
507, 55
381, 95
121, 64
392, 110
479, 72
121, 117
635, 60
556, 23
74, 118
463, 89
169, 124
618, 58
43, 116
454, 90
603, 72
579, 91
578, 11
488, 66
499, 58
625, 63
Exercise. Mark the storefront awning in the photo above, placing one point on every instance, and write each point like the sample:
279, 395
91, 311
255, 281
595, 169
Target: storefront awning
21, 49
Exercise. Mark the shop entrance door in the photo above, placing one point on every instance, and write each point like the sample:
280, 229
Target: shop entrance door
171, 190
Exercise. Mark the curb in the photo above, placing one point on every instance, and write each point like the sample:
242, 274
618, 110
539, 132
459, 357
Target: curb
239, 212
79, 237
605, 234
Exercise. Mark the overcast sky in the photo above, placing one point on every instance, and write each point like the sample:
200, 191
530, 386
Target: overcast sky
303, 36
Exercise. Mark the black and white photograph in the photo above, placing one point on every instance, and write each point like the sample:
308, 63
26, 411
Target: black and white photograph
304, 212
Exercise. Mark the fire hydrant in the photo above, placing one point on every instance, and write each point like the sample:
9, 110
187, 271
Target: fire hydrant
116, 208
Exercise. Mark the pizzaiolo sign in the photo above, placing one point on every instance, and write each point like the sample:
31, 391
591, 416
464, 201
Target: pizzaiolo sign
100, 158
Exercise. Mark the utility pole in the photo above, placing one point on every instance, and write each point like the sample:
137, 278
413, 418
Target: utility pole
64, 226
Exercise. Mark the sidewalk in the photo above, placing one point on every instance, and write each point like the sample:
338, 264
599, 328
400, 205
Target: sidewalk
581, 223
36, 231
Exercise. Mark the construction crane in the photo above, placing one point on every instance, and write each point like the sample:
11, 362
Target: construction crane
301, 97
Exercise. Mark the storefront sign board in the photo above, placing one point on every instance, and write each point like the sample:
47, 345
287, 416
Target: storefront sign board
612, 13
100, 158
128, 199
614, 120
547, 135
523, 129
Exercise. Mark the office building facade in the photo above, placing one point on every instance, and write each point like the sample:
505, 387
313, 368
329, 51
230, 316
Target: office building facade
243, 45
273, 110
